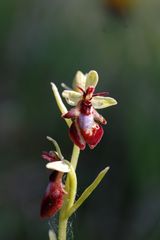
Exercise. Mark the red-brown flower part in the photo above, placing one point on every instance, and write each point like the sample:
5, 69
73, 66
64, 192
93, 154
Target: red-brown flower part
53, 198
86, 126
50, 156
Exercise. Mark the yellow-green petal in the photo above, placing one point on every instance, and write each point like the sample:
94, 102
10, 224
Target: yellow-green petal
79, 81
72, 97
99, 102
92, 79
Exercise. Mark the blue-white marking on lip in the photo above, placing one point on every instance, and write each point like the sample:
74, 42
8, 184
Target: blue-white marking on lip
86, 121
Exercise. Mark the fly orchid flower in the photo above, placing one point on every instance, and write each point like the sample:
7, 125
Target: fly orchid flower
86, 126
53, 197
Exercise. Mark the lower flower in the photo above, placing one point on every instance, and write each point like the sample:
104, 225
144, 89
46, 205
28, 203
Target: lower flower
53, 198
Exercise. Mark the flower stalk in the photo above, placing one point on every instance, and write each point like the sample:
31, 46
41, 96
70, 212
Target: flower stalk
85, 128
71, 188
71, 181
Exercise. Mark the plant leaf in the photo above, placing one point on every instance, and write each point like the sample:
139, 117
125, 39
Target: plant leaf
87, 192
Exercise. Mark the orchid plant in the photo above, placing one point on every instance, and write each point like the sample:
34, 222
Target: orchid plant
84, 124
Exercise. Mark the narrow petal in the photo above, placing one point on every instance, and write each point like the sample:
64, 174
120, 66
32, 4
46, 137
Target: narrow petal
72, 113
92, 79
72, 97
65, 86
76, 136
93, 136
98, 117
79, 81
59, 166
99, 102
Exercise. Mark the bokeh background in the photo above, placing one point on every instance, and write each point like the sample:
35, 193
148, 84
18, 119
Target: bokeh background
43, 41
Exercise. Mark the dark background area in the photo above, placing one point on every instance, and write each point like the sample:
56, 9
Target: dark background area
43, 41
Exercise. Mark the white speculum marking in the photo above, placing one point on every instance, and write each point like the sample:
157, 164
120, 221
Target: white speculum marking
86, 121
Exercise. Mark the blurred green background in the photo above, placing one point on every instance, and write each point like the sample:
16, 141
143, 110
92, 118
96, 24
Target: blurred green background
43, 41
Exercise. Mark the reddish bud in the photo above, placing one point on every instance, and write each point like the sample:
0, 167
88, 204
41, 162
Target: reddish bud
53, 198
50, 156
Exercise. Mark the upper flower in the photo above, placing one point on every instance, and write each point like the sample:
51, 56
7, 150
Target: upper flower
85, 127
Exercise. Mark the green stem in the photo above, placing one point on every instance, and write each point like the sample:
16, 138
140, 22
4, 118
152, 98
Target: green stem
62, 228
71, 181
75, 156
71, 188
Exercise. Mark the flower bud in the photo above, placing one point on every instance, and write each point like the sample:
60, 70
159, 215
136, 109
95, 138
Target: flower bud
53, 198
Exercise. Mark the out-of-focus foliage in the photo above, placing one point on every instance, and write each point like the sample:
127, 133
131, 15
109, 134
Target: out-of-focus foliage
43, 41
